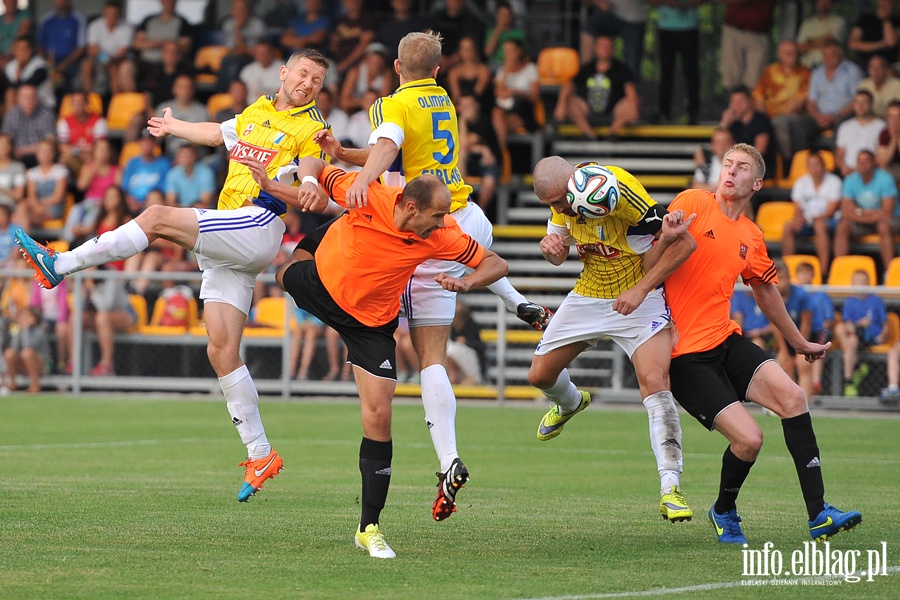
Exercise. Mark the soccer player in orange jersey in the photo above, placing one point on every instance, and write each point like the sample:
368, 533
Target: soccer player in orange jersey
233, 244
715, 369
354, 285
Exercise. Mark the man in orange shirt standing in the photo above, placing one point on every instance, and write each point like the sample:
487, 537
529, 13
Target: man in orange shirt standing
355, 283
714, 368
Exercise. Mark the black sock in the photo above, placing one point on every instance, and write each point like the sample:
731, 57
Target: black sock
734, 472
801, 443
375, 468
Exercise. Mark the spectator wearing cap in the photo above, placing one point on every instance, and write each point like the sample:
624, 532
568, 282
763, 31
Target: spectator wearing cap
857, 133
351, 35
143, 173
372, 74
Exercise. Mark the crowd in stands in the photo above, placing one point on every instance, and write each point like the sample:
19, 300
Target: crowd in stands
75, 155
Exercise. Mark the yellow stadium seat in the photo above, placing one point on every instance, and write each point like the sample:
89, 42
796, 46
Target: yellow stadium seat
843, 267
209, 58
217, 102
122, 108
893, 273
793, 260
557, 65
139, 305
772, 217
94, 105
798, 167
268, 319
891, 337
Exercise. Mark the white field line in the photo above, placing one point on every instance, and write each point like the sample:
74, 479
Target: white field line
704, 587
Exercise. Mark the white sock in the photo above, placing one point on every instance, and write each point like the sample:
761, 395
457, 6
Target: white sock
506, 292
440, 413
123, 242
564, 393
242, 401
665, 438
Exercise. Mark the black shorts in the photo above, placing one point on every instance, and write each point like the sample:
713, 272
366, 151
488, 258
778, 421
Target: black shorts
373, 349
706, 383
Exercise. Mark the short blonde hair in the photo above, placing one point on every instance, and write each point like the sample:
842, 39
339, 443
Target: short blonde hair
419, 54
759, 165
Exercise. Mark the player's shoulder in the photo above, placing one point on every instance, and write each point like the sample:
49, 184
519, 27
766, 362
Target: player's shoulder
693, 199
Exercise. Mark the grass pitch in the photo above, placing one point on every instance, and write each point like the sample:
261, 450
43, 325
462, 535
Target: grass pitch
135, 498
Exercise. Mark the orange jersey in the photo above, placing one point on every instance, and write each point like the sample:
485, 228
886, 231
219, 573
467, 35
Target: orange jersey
365, 262
699, 292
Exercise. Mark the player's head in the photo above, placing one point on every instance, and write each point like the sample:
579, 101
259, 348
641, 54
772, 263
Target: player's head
550, 177
418, 55
424, 203
302, 76
742, 172
804, 273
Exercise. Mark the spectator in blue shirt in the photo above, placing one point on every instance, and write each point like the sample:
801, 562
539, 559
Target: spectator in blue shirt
868, 205
62, 40
799, 307
144, 173
864, 317
753, 322
189, 183
822, 319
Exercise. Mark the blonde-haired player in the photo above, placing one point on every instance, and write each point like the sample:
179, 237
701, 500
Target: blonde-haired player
614, 298
418, 123
233, 244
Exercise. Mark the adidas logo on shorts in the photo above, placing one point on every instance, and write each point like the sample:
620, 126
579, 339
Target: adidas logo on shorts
385, 365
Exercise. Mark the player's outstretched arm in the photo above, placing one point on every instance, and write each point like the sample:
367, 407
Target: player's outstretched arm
333, 148
770, 302
490, 269
207, 134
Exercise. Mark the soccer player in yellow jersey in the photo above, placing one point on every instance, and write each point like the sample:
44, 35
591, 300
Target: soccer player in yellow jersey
417, 123
614, 298
233, 244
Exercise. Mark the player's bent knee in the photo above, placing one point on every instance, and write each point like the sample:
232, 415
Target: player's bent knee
541, 378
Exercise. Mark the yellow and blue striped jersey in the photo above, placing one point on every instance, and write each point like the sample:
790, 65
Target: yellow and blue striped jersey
611, 247
421, 120
275, 138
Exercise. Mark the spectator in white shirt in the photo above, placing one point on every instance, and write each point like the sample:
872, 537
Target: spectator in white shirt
858, 133
817, 197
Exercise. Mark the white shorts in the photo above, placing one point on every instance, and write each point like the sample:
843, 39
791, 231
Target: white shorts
583, 319
233, 247
425, 302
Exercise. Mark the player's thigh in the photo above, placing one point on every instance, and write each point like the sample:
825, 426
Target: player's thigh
651, 362
772, 388
430, 343
741, 429
700, 385
179, 225
424, 302
578, 319
224, 324
472, 221
546, 367
246, 239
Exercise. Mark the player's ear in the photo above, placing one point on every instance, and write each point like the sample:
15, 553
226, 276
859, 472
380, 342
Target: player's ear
397, 66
